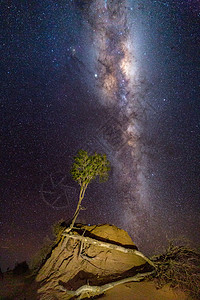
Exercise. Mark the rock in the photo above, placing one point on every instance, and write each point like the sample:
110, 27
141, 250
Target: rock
92, 255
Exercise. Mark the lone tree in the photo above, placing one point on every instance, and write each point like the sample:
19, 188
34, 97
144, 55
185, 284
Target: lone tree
84, 170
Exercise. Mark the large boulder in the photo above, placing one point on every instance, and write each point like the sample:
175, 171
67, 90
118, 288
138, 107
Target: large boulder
92, 255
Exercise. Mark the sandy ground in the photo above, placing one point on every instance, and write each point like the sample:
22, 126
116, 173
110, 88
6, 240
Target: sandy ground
14, 288
143, 291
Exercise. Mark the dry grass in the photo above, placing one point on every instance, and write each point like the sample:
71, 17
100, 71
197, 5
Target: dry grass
179, 266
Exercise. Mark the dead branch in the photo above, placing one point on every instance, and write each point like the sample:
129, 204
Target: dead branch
91, 291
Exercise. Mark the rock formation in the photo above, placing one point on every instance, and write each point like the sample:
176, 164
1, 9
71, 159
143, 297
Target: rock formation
90, 256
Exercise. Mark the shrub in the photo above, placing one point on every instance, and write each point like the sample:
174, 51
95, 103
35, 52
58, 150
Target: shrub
179, 266
20, 268
58, 228
44, 253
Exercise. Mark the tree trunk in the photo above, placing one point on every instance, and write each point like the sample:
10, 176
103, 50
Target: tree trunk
81, 196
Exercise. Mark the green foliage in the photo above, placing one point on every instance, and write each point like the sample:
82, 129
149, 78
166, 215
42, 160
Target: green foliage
179, 266
87, 168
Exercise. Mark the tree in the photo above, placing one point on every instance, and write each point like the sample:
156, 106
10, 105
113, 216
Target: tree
84, 170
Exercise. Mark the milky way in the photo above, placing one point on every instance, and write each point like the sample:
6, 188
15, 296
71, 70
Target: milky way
120, 90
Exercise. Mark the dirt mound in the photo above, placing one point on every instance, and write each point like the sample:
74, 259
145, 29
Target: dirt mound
109, 233
92, 255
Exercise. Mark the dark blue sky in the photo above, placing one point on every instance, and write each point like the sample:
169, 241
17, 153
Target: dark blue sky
49, 109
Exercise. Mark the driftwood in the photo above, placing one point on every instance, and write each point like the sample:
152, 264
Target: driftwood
91, 291
89, 240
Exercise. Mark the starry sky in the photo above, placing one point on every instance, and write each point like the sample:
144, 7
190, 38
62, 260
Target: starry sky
116, 77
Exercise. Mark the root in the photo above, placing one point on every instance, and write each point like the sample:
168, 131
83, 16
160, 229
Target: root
107, 245
91, 291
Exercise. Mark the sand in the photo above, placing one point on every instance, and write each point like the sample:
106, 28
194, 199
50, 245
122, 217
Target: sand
143, 291
14, 288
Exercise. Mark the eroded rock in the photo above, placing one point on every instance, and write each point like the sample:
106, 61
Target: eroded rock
92, 255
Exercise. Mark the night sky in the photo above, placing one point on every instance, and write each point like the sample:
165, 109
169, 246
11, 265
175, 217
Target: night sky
116, 77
